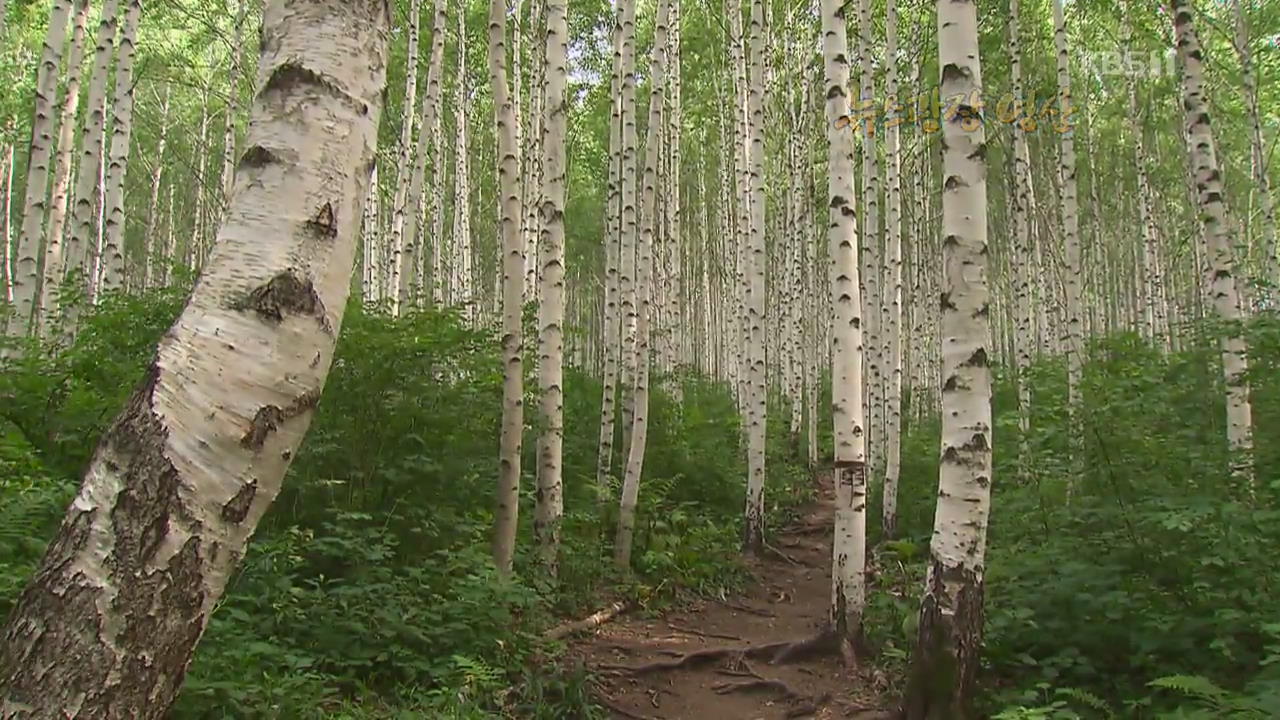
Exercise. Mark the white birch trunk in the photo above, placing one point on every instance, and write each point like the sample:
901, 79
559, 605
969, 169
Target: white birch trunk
849, 550
893, 287
757, 420
54, 259
412, 249
25, 276
108, 625
941, 683
121, 135
1217, 232
510, 208
644, 292
550, 502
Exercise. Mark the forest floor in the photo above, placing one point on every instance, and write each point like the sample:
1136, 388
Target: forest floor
693, 662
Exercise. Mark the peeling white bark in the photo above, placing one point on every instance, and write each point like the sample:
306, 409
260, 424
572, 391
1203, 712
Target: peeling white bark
108, 625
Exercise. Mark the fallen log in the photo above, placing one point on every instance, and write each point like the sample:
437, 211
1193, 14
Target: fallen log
590, 622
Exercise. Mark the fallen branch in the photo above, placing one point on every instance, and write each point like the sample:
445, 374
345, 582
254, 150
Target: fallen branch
759, 683
590, 622
775, 551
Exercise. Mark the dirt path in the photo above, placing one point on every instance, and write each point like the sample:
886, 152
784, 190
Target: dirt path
787, 601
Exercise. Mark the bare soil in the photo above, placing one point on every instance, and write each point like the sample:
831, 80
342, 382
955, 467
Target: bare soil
758, 655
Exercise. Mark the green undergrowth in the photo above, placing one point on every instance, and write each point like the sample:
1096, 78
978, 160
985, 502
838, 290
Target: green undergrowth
1146, 589
368, 590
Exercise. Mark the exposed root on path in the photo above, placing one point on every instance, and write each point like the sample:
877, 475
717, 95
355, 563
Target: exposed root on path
590, 622
748, 610
775, 653
702, 633
810, 705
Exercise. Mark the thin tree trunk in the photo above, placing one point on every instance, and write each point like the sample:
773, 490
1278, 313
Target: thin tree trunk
6, 221
893, 288
93, 147
757, 420
1217, 231
1258, 157
25, 276
941, 681
412, 250
612, 245
506, 522
121, 133
849, 551
401, 292
54, 260
233, 106
153, 205
550, 504
644, 290
1069, 206
108, 625
460, 262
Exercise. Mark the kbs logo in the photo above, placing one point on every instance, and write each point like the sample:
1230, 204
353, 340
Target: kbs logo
1131, 63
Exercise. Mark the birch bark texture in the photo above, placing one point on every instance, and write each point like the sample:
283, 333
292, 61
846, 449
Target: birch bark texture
644, 293
945, 662
550, 500
1210, 194
509, 193
24, 280
848, 567
183, 476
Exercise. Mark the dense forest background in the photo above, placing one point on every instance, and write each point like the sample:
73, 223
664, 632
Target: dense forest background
1130, 567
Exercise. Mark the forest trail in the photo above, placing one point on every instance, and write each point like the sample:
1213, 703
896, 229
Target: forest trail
786, 601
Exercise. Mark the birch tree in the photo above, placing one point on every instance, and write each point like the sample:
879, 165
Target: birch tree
550, 504
849, 551
509, 192
54, 258
121, 136
412, 250
24, 277
757, 418
644, 291
93, 145
893, 286
1225, 297
1070, 209
612, 324
174, 490
945, 661
401, 291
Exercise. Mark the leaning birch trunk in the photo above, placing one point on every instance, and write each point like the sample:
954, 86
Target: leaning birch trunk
6, 212
506, 522
400, 290
753, 520
108, 625
644, 292
411, 249
893, 288
945, 661
121, 132
92, 142
550, 503
25, 277
1217, 232
627, 265
848, 568
1069, 205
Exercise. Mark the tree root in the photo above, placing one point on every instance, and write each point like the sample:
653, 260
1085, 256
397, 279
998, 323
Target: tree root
590, 622
776, 552
809, 706
701, 633
774, 653
750, 610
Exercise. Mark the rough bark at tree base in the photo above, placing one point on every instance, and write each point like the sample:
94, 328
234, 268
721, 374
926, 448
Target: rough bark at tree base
944, 665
